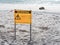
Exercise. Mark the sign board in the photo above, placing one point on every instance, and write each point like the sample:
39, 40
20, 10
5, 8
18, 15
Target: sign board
22, 16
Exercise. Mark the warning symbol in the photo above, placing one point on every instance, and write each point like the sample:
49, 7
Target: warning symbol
17, 17
22, 16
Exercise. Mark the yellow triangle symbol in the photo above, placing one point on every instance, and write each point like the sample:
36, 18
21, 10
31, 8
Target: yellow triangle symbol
17, 17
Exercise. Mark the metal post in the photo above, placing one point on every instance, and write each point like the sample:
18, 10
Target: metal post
30, 32
15, 31
30, 41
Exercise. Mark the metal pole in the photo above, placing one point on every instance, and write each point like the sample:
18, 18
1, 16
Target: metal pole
15, 31
30, 27
30, 41
30, 32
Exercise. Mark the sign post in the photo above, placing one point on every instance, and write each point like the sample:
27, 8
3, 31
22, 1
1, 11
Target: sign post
23, 17
15, 31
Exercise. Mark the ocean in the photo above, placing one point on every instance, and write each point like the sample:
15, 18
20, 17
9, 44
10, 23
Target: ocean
31, 1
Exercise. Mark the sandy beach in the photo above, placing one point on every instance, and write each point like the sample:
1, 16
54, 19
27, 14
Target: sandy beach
45, 25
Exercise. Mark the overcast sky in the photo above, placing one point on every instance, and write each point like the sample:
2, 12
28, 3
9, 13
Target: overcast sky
30, 1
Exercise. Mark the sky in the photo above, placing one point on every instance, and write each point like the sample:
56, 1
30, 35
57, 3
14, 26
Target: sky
30, 1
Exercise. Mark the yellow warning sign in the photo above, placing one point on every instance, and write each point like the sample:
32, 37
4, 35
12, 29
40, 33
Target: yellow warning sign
22, 16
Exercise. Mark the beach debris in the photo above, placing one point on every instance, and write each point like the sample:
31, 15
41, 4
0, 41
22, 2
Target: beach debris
41, 8
2, 26
23, 31
44, 28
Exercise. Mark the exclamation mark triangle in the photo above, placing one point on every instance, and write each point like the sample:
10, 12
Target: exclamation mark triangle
17, 17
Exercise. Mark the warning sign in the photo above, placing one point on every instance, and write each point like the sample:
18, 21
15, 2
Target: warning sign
22, 16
